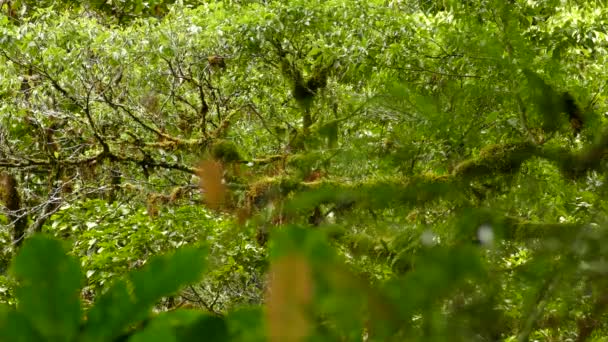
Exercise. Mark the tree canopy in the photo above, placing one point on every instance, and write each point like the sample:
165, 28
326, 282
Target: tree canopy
405, 170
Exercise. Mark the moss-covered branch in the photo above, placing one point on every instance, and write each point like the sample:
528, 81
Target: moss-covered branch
499, 160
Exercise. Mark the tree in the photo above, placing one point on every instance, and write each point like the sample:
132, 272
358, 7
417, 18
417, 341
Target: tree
432, 168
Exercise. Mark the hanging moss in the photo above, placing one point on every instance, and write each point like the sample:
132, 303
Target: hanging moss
318, 80
305, 90
226, 152
301, 93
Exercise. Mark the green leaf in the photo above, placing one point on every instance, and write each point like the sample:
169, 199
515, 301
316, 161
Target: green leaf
118, 307
438, 272
154, 333
312, 244
212, 327
165, 275
183, 325
49, 292
247, 324
113, 311
15, 327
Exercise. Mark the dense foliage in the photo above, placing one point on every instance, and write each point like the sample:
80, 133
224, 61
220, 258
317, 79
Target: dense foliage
310, 170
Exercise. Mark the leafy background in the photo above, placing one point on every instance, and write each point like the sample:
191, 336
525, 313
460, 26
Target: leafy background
321, 170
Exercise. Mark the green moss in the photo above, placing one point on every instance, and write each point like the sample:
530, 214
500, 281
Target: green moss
431, 178
496, 158
266, 189
521, 230
225, 151
364, 244
302, 161
372, 193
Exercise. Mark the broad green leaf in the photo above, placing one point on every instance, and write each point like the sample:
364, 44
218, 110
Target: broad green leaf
247, 324
183, 326
154, 333
212, 327
163, 276
114, 310
310, 243
120, 307
14, 326
438, 271
49, 291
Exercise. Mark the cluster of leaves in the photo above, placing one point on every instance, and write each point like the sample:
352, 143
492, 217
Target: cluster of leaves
50, 309
111, 240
